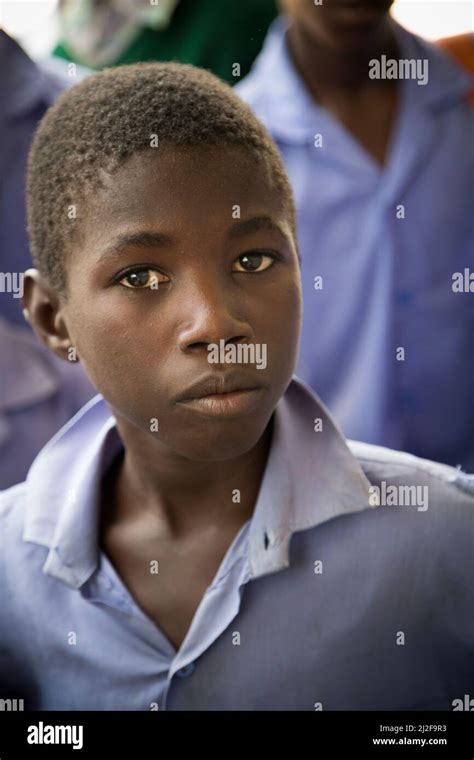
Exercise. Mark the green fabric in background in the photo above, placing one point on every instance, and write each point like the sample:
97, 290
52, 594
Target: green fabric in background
213, 34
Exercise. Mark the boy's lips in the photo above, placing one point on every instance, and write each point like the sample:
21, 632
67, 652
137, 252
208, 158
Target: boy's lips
228, 395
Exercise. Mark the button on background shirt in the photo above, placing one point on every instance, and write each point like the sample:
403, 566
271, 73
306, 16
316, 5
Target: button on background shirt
270, 633
386, 280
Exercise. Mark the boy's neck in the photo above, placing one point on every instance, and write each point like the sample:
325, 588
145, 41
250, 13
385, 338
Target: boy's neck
181, 495
326, 70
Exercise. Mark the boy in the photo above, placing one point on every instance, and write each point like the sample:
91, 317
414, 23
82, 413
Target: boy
374, 125
201, 537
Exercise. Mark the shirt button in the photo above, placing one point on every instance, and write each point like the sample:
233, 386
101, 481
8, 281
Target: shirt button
408, 400
186, 671
403, 297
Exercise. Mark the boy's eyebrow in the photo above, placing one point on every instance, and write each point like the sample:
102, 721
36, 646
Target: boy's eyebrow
255, 224
154, 239
139, 239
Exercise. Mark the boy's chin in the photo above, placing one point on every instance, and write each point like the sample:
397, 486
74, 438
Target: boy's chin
219, 448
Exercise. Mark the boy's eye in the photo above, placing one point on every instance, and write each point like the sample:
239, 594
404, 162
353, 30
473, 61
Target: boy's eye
254, 262
143, 278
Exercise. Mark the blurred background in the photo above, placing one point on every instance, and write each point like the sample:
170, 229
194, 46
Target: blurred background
34, 23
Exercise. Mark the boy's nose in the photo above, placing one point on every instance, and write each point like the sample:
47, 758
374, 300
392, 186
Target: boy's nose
211, 318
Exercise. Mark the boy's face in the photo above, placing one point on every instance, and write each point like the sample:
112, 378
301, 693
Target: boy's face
337, 23
164, 269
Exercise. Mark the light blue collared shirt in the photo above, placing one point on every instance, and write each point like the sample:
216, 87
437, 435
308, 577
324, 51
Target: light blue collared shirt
322, 601
386, 280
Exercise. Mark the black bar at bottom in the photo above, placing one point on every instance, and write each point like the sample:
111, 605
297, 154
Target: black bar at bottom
369, 734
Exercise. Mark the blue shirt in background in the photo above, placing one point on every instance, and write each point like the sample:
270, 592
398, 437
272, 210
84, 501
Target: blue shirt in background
324, 600
26, 92
387, 281
39, 392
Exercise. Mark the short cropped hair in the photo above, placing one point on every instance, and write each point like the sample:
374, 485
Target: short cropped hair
100, 122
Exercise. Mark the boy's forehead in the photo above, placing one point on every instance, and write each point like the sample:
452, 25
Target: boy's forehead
179, 190
180, 169
182, 185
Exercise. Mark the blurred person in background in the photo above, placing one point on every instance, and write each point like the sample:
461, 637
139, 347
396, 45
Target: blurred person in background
38, 392
213, 34
26, 92
376, 131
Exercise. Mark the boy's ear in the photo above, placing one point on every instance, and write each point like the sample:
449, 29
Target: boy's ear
43, 310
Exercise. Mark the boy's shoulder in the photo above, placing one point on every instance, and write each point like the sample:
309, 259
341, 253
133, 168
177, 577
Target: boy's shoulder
12, 503
14, 552
31, 510
379, 460
400, 478
377, 465
12, 519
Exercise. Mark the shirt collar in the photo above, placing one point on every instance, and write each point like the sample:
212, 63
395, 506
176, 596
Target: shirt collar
289, 110
311, 476
62, 492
